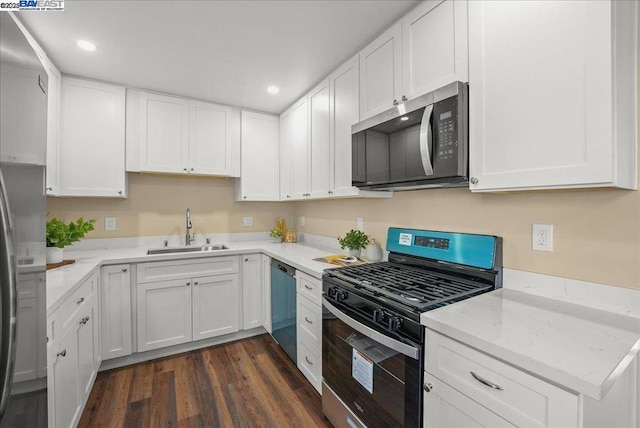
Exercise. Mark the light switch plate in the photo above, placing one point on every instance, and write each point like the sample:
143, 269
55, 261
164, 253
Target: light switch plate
247, 221
110, 223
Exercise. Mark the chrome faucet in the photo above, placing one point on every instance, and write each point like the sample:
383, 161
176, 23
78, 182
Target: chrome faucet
189, 237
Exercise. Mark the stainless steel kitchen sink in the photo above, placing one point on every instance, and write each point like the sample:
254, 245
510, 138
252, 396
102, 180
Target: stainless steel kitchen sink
195, 249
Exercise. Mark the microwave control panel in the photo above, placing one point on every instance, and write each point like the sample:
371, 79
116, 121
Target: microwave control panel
445, 142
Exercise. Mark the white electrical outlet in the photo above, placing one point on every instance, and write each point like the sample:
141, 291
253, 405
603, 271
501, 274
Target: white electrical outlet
542, 237
110, 223
360, 224
247, 221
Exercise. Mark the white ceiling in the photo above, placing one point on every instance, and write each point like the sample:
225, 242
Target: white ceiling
222, 51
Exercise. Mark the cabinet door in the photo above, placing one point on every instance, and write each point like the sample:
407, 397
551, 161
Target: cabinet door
216, 306
62, 380
260, 163
286, 140
53, 121
164, 314
434, 42
446, 407
86, 348
91, 147
252, 293
344, 110
540, 101
210, 150
164, 133
300, 150
27, 340
381, 73
319, 141
266, 293
115, 302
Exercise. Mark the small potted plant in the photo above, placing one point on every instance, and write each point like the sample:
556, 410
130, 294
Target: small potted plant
276, 235
355, 241
60, 234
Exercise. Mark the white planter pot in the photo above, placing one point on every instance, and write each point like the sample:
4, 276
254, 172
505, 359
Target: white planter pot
54, 255
355, 253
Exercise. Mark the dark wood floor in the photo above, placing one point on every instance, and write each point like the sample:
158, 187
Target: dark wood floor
248, 383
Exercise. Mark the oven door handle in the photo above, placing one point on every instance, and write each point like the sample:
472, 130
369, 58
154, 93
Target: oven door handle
396, 345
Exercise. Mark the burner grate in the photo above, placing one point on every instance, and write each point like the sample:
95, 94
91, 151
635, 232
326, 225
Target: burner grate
415, 287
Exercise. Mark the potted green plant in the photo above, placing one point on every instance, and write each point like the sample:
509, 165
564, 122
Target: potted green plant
355, 241
276, 235
60, 234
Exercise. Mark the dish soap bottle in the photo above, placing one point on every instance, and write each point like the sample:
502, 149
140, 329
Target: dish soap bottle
373, 251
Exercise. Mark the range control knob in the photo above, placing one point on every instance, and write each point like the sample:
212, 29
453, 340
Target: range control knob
341, 295
377, 315
331, 292
394, 323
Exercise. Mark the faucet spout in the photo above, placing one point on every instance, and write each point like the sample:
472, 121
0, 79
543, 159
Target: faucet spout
189, 238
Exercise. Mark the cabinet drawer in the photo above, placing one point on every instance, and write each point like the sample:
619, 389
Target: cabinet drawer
77, 302
27, 285
309, 323
310, 364
309, 287
176, 269
524, 400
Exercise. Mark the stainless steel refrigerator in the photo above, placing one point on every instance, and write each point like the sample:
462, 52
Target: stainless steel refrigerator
23, 134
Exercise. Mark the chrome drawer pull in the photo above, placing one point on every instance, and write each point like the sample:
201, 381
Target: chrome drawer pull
427, 387
308, 362
307, 287
62, 353
308, 320
80, 300
486, 382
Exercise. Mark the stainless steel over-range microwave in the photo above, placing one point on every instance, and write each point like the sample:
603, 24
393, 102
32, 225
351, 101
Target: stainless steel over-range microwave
420, 143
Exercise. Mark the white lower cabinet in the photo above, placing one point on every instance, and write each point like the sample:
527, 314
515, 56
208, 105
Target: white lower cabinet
252, 291
181, 301
309, 327
73, 353
466, 387
215, 306
30, 333
115, 305
164, 314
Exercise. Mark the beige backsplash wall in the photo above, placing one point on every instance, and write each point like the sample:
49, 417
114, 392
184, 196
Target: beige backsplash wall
596, 233
156, 207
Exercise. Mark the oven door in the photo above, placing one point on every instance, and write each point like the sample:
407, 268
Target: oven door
377, 376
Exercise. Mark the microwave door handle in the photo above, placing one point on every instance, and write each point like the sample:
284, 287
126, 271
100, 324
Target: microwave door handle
426, 137
403, 348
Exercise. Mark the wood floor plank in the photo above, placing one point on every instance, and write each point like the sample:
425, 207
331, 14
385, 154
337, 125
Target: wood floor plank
248, 383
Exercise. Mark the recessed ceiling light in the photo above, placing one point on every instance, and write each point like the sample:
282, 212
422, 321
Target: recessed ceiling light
273, 90
87, 46
403, 118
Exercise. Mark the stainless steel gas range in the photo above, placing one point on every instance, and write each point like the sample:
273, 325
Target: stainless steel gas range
372, 340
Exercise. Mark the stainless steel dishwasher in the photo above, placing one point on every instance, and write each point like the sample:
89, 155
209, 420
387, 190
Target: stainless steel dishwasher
283, 307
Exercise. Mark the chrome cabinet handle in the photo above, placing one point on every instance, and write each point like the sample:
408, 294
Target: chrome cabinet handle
308, 362
80, 300
120, 192
427, 387
246, 260
404, 98
307, 287
188, 283
49, 189
84, 320
195, 282
486, 382
474, 180
62, 353
124, 269
308, 320
184, 169
395, 102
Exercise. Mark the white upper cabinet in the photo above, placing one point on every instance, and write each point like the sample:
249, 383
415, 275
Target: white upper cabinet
344, 112
53, 123
319, 141
381, 72
286, 135
175, 135
300, 149
434, 45
260, 158
424, 51
552, 94
91, 151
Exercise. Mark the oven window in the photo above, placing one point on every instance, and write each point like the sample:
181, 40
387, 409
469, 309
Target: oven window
379, 384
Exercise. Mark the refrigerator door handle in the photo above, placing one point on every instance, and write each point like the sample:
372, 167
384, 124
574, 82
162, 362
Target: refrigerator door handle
7, 299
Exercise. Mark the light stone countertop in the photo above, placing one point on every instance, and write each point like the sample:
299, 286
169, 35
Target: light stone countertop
581, 348
62, 282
